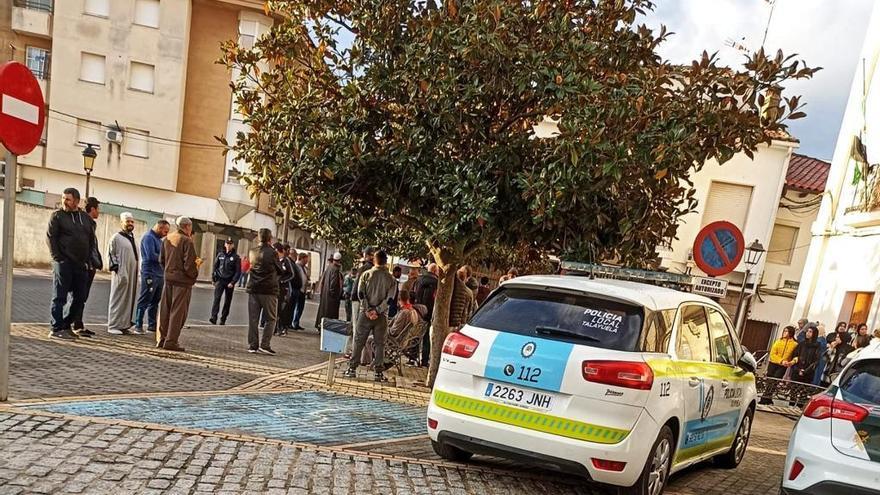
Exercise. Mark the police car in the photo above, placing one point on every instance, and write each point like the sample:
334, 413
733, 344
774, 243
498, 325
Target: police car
835, 445
620, 382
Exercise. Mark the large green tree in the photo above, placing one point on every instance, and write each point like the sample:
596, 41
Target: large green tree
410, 125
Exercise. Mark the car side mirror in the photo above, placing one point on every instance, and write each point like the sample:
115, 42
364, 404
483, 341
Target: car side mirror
747, 362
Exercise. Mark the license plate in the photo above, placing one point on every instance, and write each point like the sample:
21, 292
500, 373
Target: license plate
519, 397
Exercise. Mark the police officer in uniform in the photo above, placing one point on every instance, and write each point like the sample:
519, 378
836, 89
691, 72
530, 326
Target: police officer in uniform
227, 271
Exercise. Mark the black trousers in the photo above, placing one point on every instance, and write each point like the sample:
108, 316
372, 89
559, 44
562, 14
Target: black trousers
222, 289
78, 324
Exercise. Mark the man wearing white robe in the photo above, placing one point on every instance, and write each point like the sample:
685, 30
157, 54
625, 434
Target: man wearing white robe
123, 287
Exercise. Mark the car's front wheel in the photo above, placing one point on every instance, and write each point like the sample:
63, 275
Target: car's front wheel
450, 452
655, 474
734, 456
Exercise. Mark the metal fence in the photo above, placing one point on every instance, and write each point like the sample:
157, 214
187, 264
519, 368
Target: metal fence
788, 392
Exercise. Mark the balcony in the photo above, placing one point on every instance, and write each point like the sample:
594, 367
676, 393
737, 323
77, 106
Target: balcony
32, 17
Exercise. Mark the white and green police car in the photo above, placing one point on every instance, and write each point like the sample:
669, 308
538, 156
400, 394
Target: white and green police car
620, 382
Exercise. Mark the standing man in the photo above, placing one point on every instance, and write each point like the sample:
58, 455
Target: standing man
96, 262
375, 288
152, 277
330, 289
285, 311
227, 271
299, 303
483, 290
284, 279
366, 264
262, 291
178, 257
70, 237
425, 290
347, 287
123, 287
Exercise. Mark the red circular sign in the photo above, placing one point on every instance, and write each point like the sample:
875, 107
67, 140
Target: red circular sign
22, 109
719, 248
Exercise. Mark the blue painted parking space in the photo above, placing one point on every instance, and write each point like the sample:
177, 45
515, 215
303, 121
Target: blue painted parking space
310, 417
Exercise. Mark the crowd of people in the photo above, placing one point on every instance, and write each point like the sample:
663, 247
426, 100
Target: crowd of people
807, 354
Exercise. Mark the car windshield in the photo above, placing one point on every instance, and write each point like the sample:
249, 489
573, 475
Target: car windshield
564, 316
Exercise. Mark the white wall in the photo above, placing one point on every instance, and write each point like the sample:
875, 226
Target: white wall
766, 174
845, 250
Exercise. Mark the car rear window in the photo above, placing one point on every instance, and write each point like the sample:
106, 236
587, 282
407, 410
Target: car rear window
861, 383
563, 316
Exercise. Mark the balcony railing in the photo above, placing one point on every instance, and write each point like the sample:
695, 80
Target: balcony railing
42, 5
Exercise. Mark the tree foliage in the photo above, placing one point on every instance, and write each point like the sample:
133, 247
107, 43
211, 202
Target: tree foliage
419, 135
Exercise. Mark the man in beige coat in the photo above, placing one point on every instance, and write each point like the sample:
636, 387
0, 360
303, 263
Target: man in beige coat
181, 265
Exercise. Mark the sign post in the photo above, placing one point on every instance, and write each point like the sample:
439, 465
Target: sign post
22, 117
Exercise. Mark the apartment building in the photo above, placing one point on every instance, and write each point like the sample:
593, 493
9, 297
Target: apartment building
138, 81
842, 275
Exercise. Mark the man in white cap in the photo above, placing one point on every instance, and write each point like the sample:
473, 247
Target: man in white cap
123, 287
330, 289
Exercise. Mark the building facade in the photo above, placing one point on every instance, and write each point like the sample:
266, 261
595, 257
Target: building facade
842, 275
787, 250
138, 81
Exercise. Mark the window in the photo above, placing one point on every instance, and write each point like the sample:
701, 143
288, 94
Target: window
44, 5
728, 202
88, 132
722, 344
92, 68
658, 333
247, 34
99, 8
782, 244
137, 143
146, 13
141, 77
693, 335
38, 62
562, 316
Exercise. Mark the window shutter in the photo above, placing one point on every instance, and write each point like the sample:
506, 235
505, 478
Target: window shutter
782, 244
728, 202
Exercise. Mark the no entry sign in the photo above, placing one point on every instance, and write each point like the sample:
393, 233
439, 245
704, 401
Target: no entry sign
718, 248
22, 109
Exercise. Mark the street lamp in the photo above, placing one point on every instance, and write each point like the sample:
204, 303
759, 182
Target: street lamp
279, 220
89, 154
753, 256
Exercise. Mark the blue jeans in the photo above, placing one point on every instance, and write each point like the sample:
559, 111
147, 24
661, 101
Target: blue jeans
68, 279
148, 301
299, 304
242, 281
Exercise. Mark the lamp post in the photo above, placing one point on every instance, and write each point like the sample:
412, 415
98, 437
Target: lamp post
279, 220
89, 154
753, 256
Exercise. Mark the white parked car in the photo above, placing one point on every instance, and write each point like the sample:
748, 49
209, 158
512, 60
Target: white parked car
620, 382
835, 445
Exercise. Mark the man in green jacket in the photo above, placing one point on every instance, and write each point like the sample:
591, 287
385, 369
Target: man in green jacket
375, 287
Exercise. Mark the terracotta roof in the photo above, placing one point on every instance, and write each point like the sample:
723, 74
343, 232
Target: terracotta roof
807, 174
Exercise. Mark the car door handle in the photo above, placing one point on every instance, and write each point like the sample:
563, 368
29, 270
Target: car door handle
725, 384
694, 382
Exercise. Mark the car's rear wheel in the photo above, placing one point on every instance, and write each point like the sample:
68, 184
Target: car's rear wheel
450, 452
655, 474
734, 456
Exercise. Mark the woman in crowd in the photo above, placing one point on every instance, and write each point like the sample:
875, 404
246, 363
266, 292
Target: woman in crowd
780, 360
834, 356
806, 358
862, 337
823, 346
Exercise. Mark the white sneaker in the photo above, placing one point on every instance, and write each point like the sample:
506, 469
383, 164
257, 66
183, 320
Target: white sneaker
115, 331
138, 331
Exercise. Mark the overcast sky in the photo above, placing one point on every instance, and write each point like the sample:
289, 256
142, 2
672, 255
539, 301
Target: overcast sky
825, 33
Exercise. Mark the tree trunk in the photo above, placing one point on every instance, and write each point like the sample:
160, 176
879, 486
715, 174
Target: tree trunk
447, 260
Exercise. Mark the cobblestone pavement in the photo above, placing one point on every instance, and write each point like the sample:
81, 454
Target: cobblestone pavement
45, 454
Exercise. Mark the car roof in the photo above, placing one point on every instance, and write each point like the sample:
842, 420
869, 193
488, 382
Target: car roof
871, 351
649, 296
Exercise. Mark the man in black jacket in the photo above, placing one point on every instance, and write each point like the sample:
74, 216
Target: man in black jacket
71, 242
424, 292
262, 288
96, 262
227, 270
